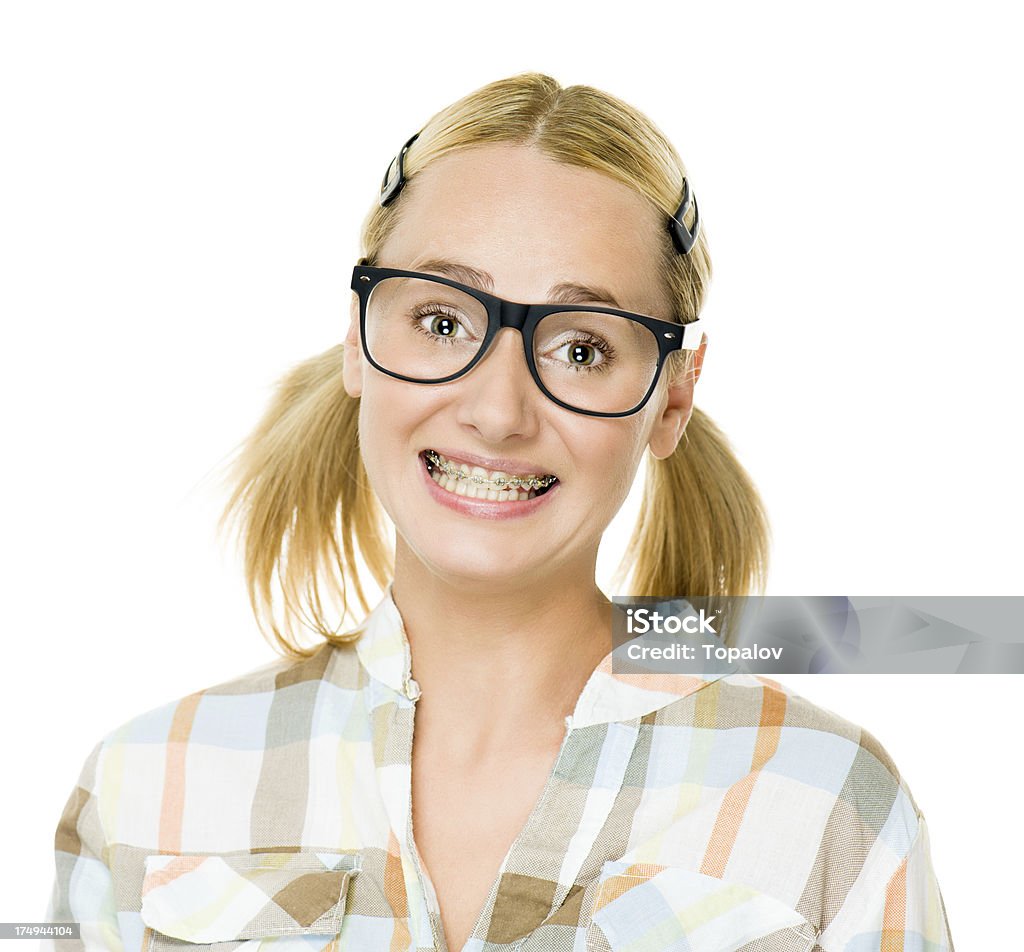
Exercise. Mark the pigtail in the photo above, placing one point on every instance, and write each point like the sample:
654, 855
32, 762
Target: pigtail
300, 488
702, 529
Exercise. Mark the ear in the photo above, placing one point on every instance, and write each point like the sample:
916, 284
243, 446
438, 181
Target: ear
678, 407
352, 369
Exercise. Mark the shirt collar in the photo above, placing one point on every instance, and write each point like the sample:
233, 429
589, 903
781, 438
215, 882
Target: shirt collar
607, 697
383, 647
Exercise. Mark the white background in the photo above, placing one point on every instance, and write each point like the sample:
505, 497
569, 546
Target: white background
182, 189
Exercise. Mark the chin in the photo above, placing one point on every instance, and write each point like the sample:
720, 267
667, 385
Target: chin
483, 563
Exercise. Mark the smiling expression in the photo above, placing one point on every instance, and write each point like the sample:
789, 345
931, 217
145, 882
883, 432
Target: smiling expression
484, 476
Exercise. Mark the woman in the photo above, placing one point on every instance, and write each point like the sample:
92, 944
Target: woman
555, 805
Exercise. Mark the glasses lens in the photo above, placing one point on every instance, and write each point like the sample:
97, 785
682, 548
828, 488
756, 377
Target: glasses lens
597, 362
423, 329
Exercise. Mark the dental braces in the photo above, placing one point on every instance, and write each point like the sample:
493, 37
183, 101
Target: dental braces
499, 482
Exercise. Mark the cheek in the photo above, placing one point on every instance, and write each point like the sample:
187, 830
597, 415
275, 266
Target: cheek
394, 419
624, 475
369, 449
381, 417
613, 454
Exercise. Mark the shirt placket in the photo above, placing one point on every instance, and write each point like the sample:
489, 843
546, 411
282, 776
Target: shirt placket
393, 733
544, 862
426, 887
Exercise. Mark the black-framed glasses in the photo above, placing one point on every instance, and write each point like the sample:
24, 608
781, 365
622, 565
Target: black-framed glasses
599, 361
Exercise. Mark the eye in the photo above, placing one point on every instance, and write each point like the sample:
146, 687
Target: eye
584, 352
583, 355
444, 326
440, 324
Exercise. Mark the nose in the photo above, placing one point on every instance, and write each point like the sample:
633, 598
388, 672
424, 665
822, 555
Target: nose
499, 396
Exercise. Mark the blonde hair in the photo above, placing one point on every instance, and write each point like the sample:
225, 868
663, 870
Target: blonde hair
301, 494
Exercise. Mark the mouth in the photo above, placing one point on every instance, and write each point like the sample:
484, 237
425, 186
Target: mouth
476, 482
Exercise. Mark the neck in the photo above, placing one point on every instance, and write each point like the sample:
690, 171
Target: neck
499, 656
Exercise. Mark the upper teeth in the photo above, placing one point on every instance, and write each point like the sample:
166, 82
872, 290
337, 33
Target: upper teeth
499, 481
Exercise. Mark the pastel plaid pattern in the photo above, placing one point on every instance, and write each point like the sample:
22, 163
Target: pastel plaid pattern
701, 814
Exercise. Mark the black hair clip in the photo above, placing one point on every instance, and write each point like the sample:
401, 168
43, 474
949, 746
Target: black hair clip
683, 239
389, 191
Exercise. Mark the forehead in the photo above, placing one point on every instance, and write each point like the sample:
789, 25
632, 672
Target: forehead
531, 223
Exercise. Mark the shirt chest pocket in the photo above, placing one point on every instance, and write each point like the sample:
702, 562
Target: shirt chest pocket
228, 901
671, 909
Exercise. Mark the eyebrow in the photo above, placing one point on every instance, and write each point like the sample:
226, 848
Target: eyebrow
566, 292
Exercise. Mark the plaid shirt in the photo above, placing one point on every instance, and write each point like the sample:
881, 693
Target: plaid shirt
723, 813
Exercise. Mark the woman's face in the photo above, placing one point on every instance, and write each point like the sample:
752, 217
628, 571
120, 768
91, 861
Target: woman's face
531, 224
